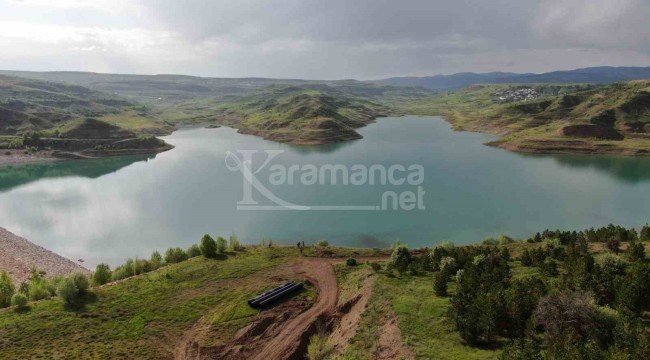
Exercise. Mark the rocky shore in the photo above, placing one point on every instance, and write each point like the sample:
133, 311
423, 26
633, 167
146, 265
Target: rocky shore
18, 256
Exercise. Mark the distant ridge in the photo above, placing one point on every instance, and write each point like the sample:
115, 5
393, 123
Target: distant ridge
598, 75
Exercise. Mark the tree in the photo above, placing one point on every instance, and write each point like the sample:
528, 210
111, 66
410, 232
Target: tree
526, 259
156, 260
521, 349
68, 291
614, 245
323, 243
208, 246
645, 233
102, 274
351, 262
222, 245
7, 290
634, 290
19, 301
400, 259
81, 282
440, 283
175, 255
636, 251
193, 251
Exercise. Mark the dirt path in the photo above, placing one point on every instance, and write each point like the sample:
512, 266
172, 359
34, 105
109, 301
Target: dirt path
288, 341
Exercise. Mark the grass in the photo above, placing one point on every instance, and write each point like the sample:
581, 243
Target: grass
141, 317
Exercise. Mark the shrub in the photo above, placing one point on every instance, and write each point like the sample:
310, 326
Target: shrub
19, 301
175, 255
351, 262
323, 243
193, 251
319, 347
68, 291
37, 291
102, 274
208, 246
636, 251
490, 241
376, 267
81, 282
222, 245
505, 240
645, 233
440, 283
24, 288
400, 259
234, 243
7, 290
156, 260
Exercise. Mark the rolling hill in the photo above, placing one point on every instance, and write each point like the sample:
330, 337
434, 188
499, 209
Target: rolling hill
596, 75
309, 114
553, 118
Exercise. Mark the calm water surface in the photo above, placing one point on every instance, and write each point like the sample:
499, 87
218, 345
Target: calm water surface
111, 209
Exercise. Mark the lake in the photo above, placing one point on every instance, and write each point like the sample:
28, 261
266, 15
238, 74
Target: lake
110, 209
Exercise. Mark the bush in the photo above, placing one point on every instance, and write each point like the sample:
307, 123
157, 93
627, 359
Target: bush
208, 246
175, 255
81, 282
636, 252
323, 243
376, 267
351, 262
400, 259
37, 291
193, 251
68, 291
102, 274
156, 260
19, 301
490, 241
319, 347
440, 283
7, 290
645, 233
505, 240
222, 245
234, 243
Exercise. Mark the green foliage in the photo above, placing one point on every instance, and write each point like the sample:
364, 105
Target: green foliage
400, 259
19, 301
323, 243
645, 233
440, 283
68, 291
319, 347
636, 252
351, 262
81, 282
233, 243
222, 245
490, 241
7, 290
193, 251
375, 266
208, 246
634, 289
175, 255
102, 274
38, 291
521, 349
156, 260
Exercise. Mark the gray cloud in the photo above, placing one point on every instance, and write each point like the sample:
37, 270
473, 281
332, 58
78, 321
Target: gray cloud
336, 38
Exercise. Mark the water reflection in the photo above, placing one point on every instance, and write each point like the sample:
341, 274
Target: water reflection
12, 176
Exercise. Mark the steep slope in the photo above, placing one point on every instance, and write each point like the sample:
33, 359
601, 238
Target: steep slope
553, 118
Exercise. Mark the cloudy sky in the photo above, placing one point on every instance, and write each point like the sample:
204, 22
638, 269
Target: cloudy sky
325, 39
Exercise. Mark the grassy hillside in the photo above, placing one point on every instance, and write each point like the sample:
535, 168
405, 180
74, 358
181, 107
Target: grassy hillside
308, 114
28, 105
612, 119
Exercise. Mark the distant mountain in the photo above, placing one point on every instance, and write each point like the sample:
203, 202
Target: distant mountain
598, 75
169, 90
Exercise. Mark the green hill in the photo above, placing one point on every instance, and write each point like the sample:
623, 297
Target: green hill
613, 119
28, 105
310, 114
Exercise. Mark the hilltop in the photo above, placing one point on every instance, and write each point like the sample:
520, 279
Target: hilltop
552, 118
308, 114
